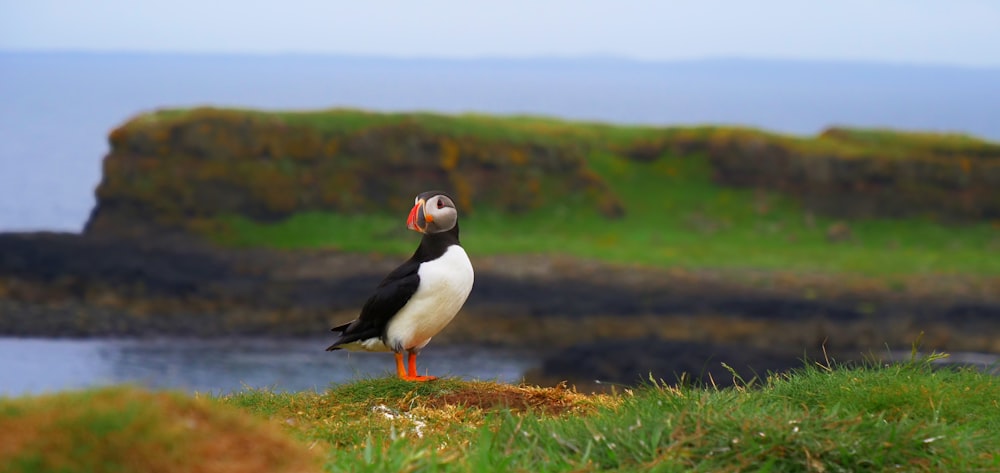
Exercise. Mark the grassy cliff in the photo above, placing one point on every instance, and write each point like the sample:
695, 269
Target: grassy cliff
859, 201
181, 169
869, 173
905, 417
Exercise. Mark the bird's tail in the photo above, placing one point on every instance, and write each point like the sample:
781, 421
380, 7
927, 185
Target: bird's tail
341, 339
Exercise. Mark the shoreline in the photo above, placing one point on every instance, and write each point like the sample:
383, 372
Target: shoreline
584, 320
55, 284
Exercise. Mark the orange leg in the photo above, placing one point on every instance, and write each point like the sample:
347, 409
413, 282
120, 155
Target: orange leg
413, 376
400, 369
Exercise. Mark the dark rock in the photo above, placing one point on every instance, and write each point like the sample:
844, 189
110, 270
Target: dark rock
639, 361
65, 284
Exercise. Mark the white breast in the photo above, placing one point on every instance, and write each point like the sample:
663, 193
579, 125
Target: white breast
445, 283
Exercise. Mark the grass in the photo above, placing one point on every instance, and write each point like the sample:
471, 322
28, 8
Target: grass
870, 417
540, 129
903, 144
676, 217
867, 418
513, 129
122, 429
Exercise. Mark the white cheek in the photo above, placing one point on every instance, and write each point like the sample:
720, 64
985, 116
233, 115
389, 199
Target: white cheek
445, 214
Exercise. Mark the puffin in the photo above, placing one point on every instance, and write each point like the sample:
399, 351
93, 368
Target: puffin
420, 297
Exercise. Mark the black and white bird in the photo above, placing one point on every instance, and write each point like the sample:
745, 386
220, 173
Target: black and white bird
420, 297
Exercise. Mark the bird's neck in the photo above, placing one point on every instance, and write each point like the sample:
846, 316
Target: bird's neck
433, 245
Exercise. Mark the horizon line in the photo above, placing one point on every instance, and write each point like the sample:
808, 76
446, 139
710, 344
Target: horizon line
568, 58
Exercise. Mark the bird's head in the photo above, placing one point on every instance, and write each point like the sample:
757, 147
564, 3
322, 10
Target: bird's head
433, 212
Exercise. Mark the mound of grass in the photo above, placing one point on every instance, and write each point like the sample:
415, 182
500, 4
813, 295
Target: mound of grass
872, 417
357, 421
868, 418
128, 429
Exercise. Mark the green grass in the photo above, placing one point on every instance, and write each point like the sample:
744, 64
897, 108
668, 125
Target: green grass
514, 129
853, 420
870, 418
676, 217
534, 129
903, 144
541, 129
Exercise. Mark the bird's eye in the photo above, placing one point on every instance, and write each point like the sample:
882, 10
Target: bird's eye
440, 204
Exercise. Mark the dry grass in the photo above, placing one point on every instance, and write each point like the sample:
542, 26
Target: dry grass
486, 396
129, 429
355, 422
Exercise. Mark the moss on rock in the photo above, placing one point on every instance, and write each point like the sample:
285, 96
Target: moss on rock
172, 169
180, 169
868, 173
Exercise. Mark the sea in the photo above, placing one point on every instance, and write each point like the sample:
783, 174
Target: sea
223, 365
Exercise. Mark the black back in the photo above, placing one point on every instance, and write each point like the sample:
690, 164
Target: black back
394, 291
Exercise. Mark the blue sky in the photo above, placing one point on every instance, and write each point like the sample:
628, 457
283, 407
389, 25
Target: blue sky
963, 32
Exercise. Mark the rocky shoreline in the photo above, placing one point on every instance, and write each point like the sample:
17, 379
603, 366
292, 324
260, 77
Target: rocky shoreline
68, 285
144, 279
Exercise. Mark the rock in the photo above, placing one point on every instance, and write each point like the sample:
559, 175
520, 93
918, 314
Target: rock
178, 171
866, 173
73, 285
639, 361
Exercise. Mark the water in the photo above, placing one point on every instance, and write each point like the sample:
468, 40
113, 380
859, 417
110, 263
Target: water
35, 365
57, 109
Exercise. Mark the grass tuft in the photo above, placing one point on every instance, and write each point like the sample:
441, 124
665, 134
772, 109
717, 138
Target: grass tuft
128, 429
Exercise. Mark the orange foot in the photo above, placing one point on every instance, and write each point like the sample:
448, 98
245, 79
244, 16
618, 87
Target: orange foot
411, 374
420, 378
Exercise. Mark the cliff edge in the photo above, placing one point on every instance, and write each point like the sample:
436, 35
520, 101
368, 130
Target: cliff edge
178, 170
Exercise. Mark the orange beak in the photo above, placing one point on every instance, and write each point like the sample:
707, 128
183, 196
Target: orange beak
417, 221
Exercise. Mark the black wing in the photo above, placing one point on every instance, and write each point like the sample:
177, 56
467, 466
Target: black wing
390, 296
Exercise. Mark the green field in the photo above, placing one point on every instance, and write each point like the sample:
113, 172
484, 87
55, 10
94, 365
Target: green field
676, 217
906, 417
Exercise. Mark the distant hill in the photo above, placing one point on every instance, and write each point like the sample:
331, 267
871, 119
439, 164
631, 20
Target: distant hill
185, 168
59, 107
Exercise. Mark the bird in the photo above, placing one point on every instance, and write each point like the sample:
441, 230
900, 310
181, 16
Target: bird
419, 298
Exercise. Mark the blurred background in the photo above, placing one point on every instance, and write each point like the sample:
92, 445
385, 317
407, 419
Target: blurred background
191, 193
